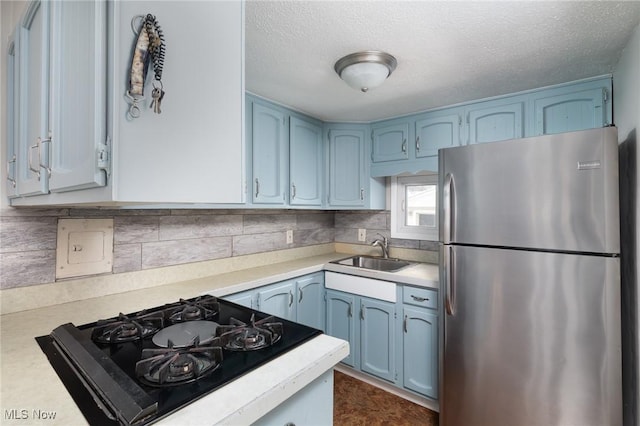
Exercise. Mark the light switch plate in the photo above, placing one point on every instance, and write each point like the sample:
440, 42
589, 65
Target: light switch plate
85, 247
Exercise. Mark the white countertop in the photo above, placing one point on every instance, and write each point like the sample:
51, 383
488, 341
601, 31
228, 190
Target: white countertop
29, 383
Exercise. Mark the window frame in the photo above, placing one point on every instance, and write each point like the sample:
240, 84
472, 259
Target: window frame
398, 192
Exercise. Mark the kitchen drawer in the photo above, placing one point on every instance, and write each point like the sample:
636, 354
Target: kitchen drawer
420, 297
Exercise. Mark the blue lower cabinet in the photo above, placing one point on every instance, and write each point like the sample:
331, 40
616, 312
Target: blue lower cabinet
377, 337
278, 299
310, 303
340, 321
300, 299
245, 298
420, 351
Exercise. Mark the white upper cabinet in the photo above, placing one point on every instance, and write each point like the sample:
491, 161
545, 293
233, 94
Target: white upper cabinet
13, 113
78, 144
33, 128
193, 151
77, 108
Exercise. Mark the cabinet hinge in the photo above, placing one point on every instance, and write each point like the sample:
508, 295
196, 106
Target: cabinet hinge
104, 156
459, 121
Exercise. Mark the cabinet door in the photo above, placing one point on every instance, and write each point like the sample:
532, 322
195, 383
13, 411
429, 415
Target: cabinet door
269, 155
340, 321
12, 108
34, 100
433, 133
278, 300
420, 349
346, 168
495, 123
311, 305
390, 142
244, 298
377, 338
77, 101
569, 112
305, 163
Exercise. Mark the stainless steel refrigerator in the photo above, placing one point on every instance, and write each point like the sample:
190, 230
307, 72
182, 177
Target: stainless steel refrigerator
530, 278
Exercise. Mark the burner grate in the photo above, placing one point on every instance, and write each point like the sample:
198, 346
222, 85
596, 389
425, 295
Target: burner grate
128, 328
239, 336
175, 366
201, 308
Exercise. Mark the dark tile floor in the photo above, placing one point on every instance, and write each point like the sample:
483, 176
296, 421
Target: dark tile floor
359, 403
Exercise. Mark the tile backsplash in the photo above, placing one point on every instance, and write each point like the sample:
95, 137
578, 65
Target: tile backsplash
145, 239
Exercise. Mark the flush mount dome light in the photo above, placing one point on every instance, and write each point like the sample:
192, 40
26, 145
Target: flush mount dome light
365, 70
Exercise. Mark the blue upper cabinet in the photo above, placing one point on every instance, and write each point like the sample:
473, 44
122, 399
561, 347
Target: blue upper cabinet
346, 168
437, 130
567, 112
269, 155
305, 163
496, 120
390, 140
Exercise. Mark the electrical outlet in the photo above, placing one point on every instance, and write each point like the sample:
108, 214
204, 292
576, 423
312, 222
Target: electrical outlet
289, 236
362, 234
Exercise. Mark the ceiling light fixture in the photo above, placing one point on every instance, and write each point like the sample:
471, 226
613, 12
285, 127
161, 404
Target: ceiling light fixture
365, 70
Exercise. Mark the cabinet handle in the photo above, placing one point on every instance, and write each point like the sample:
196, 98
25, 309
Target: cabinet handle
404, 145
350, 311
418, 143
48, 140
293, 191
404, 324
362, 194
419, 299
257, 187
361, 313
300, 299
36, 171
13, 181
290, 298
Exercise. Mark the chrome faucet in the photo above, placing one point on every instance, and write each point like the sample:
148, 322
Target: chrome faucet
383, 244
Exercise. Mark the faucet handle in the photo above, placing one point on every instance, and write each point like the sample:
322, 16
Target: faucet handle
384, 239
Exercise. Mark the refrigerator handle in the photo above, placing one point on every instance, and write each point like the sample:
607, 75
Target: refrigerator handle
449, 207
450, 282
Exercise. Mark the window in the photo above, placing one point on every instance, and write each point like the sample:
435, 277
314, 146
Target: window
414, 210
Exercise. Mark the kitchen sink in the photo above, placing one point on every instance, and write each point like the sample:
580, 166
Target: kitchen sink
375, 263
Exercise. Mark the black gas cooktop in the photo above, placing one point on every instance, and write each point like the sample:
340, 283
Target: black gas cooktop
137, 368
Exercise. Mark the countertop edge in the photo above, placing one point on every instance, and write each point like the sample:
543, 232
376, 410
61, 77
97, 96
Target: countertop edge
264, 388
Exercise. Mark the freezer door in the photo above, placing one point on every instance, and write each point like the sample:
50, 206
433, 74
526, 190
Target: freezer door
530, 338
555, 192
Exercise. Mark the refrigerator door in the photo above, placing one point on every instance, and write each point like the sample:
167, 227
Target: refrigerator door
555, 192
530, 338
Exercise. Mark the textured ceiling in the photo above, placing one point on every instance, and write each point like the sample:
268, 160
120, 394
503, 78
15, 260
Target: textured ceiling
447, 51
